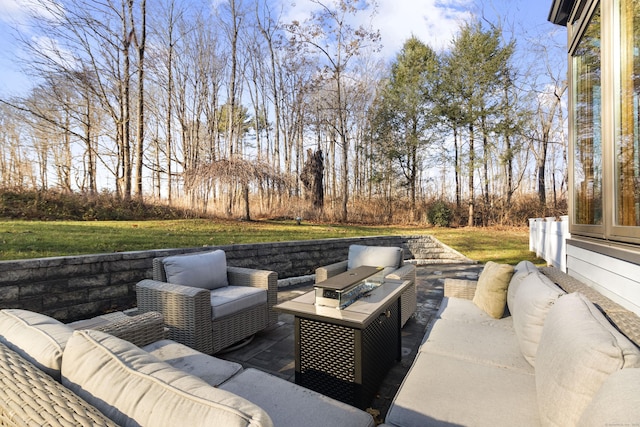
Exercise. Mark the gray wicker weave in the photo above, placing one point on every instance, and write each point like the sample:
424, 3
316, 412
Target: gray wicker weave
460, 288
187, 310
626, 321
142, 329
408, 299
29, 397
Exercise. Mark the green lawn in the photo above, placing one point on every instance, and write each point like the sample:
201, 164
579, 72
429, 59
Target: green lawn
35, 239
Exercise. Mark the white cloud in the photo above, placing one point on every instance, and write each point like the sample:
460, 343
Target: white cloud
20, 11
434, 22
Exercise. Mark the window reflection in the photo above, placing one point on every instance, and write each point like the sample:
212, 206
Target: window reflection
627, 153
587, 126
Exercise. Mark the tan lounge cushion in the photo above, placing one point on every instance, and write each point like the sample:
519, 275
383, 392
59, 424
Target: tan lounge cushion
491, 292
134, 388
579, 349
38, 338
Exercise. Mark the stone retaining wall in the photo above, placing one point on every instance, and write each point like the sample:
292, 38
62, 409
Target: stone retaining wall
78, 287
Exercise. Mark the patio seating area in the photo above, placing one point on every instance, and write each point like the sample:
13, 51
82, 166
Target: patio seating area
257, 382
272, 350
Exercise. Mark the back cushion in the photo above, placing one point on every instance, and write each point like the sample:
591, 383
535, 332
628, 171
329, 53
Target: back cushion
579, 349
374, 256
491, 291
36, 337
207, 270
535, 296
617, 402
520, 271
133, 388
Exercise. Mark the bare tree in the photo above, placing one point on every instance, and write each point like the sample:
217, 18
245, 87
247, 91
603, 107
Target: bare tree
329, 34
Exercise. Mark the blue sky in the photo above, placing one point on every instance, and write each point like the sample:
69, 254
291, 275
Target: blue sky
433, 21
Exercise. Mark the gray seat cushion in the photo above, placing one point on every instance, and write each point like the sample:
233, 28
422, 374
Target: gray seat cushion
447, 391
464, 310
210, 369
290, 405
134, 388
477, 343
232, 299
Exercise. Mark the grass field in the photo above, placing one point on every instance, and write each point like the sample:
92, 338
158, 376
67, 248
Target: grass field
36, 239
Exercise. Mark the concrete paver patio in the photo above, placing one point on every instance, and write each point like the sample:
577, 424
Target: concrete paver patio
272, 350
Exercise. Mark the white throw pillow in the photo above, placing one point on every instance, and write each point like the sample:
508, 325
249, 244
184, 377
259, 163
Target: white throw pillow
38, 338
134, 388
534, 298
374, 256
579, 349
207, 270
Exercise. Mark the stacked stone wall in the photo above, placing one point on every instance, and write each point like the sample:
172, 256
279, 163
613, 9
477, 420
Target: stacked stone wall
77, 287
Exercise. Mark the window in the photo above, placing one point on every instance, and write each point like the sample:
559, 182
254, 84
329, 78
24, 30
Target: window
587, 130
627, 152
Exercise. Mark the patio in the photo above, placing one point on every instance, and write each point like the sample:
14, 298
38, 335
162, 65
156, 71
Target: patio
272, 350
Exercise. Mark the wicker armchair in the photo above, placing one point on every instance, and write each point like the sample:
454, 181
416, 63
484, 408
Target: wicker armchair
188, 312
377, 254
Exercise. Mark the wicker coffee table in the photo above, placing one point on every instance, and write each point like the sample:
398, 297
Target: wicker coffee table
345, 354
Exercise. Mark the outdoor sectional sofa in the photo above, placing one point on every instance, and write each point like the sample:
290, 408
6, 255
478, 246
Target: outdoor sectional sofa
553, 359
51, 374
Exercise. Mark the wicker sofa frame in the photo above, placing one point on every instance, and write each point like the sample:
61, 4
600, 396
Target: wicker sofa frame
29, 397
187, 310
408, 299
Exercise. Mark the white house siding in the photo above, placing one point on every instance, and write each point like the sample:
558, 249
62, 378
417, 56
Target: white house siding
616, 279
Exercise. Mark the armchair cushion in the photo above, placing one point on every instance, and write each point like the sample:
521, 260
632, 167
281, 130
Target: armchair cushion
38, 338
207, 270
374, 256
134, 388
231, 299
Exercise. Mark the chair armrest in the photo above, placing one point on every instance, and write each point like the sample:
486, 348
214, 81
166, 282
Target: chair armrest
323, 273
265, 279
460, 288
406, 272
141, 329
186, 311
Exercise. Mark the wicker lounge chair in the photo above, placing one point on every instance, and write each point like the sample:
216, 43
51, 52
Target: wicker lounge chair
392, 258
190, 312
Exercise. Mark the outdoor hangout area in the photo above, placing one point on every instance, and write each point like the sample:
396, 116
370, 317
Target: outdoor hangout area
377, 337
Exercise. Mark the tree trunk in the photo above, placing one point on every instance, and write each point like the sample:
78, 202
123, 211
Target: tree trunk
141, 41
472, 156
